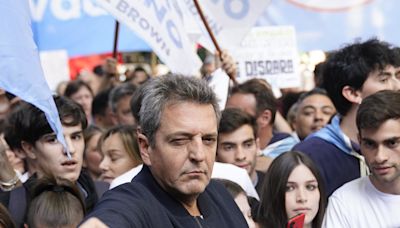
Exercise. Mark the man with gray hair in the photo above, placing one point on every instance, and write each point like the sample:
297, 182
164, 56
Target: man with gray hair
178, 140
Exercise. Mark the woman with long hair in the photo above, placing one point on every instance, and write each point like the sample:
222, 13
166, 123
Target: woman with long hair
292, 186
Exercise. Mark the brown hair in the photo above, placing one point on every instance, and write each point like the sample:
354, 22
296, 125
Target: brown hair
127, 133
272, 211
55, 204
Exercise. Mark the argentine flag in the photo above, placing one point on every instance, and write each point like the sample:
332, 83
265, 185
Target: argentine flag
20, 70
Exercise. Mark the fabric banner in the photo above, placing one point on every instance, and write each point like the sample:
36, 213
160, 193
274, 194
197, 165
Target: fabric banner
160, 24
20, 70
81, 27
230, 20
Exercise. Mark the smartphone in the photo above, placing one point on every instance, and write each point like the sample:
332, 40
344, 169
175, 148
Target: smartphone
297, 221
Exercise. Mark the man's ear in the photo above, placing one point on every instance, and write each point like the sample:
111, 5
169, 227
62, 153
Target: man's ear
28, 149
145, 149
265, 118
352, 95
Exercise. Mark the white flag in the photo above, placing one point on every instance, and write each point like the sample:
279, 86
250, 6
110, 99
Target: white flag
229, 20
160, 24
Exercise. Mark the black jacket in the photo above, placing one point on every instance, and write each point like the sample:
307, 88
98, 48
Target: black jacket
143, 203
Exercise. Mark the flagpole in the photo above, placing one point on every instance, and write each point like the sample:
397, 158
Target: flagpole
214, 40
116, 33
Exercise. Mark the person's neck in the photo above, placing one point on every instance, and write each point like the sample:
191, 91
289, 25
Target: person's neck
31, 167
191, 207
348, 124
308, 225
265, 134
392, 188
254, 177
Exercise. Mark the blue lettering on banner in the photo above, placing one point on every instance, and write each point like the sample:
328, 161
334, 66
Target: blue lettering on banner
64, 9
53, 22
173, 31
214, 25
232, 9
124, 7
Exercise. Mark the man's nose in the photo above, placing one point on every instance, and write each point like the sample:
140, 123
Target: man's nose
70, 145
381, 155
240, 154
318, 115
196, 149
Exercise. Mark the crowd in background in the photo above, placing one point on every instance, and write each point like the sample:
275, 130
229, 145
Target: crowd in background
318, 153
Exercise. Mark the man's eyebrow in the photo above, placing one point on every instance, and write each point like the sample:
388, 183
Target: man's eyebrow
308, 107
180, 133
210, 135
384, 73
228, 143
48, 135
364, 139
394, 138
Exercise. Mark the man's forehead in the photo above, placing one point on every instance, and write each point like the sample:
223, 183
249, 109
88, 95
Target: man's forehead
183, 114
74, 128
377, 134
245, 131
388, 69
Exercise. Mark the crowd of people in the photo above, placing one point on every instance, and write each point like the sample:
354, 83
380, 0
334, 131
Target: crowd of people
160, 152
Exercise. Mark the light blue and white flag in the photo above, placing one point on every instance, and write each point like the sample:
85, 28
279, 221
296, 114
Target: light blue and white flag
229, 20
160, 24
20, 70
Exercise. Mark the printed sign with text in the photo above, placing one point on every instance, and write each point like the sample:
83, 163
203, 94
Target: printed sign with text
269, 53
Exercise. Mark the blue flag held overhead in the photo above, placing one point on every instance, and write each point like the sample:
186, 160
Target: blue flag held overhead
20, 70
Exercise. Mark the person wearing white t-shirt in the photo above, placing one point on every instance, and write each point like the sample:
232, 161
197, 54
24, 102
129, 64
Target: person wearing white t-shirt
373, 201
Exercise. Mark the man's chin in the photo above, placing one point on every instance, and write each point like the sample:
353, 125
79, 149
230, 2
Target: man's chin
68, 178
195, 188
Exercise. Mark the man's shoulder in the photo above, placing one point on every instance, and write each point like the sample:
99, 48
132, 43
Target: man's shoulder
219, 206
125, 206
130, 190
314, 144
352, 190
214, 188
280, 143
278, 136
